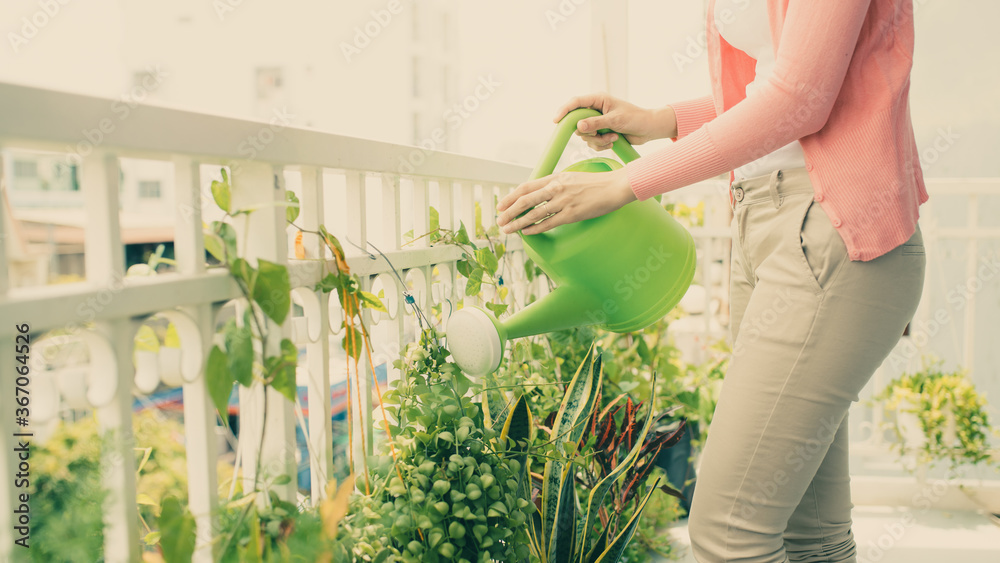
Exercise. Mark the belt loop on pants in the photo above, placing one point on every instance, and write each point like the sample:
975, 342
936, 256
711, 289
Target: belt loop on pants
773, 188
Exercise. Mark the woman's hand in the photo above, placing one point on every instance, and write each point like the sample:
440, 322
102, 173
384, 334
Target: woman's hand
563, 198
639, 125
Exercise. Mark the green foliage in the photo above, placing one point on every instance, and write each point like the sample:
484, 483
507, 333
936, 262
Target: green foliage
568, 528
177, 537
280, 532
481, 266
67, 492
950, 411
660, 512
452, 492
292, 211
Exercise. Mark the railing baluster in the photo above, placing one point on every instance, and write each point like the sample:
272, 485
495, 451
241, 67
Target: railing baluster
467, 216
104, 261
446, 212
421, 212
446, 215
318, 352
254, 186
392, 226
357, 229
971, 262
199, 412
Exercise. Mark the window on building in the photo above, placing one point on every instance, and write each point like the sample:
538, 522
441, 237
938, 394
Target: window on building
25, 169
416, 77
269, 82
149, 189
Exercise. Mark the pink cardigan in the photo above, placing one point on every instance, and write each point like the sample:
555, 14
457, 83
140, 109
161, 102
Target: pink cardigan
840, 86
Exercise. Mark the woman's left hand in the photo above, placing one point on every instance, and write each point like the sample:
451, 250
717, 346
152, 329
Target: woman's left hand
562, 198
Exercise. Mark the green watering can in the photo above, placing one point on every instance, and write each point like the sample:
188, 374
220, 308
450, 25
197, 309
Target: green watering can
621, 271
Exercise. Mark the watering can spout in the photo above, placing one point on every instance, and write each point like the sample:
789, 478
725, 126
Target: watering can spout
621, 271
567, 306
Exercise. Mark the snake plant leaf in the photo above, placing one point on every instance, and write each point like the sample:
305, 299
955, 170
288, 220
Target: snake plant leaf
581, 396
518, 429
599, 547
562, 541
571, 420
535, 534
600, 490
614, 551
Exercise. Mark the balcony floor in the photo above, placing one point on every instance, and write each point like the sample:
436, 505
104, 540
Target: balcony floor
936, 536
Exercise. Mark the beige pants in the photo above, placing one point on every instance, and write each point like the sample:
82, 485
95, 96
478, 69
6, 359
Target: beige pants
809, 328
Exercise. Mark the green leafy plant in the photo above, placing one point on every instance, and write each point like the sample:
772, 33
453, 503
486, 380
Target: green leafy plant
259, 526
67, 490
450, 490
566, 527
950, 413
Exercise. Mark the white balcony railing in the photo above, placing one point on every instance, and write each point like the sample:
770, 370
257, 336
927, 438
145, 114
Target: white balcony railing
337, 179
360, 189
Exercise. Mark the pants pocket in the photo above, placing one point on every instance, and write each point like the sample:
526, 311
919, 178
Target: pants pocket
822, 251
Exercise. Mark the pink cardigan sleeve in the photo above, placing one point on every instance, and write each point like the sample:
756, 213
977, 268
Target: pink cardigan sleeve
692, 114
815, 48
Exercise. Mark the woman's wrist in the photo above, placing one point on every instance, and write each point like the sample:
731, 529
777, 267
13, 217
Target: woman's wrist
665, 122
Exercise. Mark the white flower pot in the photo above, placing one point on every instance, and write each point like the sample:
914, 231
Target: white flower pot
170, 366
147, 376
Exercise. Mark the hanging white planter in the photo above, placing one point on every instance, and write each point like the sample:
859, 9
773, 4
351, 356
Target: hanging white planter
147, 376
170, 366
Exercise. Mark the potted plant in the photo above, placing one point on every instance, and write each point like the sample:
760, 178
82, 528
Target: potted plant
937, 416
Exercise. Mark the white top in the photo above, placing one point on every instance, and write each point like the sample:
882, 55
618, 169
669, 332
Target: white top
744, 25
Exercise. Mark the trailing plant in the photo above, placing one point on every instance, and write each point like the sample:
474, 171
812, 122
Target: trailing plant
262, 525
951, 414
452, 492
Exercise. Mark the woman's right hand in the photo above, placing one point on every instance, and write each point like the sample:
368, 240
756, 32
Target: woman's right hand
639, 125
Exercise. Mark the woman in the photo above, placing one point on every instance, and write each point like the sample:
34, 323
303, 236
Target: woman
809, 111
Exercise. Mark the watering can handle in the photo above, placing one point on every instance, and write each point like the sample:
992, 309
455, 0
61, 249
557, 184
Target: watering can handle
559, 140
